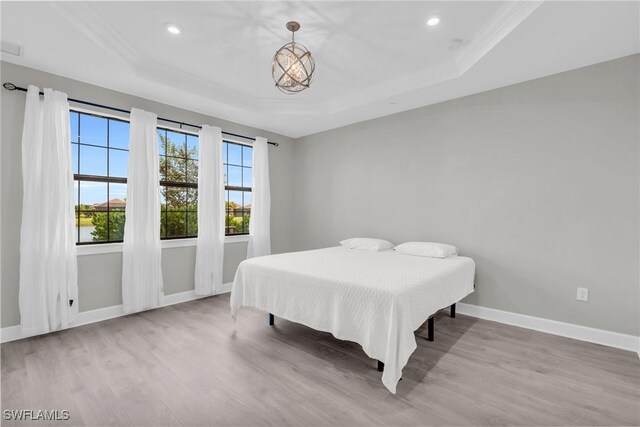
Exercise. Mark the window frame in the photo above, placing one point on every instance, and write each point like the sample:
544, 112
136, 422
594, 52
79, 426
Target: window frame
115, 245
177, 184
106, 179
242, 189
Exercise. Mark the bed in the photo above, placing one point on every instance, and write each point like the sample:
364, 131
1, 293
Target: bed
376, 299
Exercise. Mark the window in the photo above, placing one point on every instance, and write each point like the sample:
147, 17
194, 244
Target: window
238, 175
178, 184
100, 150
100, 147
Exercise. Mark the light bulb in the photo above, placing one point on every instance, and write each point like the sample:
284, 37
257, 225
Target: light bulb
172, 28
433, 21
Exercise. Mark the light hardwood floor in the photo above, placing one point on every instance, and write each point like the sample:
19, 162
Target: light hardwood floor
190, 364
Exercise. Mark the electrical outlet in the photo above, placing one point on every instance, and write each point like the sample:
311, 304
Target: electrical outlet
582, 294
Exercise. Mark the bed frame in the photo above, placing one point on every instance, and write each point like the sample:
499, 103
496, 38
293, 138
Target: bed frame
430, 329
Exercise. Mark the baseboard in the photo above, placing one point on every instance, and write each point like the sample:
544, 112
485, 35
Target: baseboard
569, 330
582, 333
225, 288
13, 333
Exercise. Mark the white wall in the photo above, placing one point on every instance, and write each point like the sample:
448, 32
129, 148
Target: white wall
538, 182
99, 275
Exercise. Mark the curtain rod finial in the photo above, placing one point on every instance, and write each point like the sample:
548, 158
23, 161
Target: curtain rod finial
9, 86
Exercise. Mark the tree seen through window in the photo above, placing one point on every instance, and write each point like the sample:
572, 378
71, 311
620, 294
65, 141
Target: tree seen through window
100, 157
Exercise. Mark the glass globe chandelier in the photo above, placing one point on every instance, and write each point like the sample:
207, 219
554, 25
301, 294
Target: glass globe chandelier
293, 65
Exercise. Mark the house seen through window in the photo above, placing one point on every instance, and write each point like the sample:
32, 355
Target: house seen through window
100, 147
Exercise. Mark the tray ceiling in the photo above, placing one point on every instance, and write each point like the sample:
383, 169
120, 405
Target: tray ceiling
373, 58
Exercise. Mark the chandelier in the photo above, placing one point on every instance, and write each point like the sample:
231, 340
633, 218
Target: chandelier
293, 65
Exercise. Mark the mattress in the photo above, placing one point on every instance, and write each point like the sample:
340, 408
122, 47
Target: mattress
377, 299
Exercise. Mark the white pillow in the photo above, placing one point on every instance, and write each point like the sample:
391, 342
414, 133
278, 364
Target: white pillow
427, 249
366, 244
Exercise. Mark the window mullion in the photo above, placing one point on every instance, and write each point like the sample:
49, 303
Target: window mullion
179, 173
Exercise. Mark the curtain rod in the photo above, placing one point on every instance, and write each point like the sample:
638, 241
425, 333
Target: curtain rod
11, 86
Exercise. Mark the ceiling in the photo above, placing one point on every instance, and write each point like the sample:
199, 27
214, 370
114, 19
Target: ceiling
373, 58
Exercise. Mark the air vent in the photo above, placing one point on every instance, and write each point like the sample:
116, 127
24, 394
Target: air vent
10, 48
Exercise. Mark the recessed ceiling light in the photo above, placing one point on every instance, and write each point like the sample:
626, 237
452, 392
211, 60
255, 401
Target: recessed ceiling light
172, 28
433, 20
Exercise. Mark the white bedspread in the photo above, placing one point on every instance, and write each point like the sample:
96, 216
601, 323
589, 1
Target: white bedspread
377, 299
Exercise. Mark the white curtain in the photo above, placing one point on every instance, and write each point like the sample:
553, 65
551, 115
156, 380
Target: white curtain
48, 270
259, 224
141, 253
210, 249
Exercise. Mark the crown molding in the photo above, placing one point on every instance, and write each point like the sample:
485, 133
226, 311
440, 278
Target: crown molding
89, 22
508, 17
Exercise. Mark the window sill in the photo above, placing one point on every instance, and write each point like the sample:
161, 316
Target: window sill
102, 248
107, 248
236, 239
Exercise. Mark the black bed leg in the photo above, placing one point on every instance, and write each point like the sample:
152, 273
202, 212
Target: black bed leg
430, 329
270, 319
380, 366
453, 311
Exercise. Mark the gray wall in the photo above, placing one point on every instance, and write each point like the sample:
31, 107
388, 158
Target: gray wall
538, 182
99, 275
